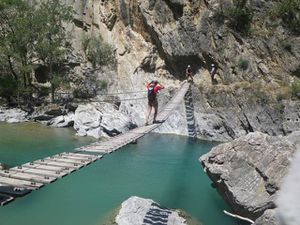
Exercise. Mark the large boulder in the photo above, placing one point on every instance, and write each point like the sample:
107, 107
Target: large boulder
136, 211
87, 118
47, 112
248, 171
100, 119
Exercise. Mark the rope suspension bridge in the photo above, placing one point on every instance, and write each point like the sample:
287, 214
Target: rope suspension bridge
21, 180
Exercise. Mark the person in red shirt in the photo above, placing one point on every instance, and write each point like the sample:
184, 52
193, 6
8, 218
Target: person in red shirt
153, 88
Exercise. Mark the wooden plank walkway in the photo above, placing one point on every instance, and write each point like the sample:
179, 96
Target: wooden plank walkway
36, 174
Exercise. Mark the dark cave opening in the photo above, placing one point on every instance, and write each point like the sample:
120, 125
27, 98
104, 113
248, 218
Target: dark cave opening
178, 64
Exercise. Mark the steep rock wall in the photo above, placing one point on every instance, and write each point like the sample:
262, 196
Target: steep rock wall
159, 38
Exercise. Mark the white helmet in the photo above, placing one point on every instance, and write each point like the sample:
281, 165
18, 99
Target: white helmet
212, 65
189, 66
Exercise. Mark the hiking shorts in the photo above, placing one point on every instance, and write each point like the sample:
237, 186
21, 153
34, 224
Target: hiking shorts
153, 102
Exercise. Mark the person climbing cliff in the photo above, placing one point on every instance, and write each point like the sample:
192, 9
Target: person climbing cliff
153, 88
212, 72
189, 74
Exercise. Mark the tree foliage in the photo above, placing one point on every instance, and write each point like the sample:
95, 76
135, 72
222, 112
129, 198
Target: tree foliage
7, 87
30, 34
289, 12
296, 88
239, 16
98, 52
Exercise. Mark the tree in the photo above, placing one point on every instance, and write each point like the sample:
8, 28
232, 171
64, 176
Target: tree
16, 41
289, 12
239, 16
98, 52
30, 34
52, 42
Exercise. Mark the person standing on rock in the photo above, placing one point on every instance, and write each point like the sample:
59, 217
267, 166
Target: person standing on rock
153, 88
189, 74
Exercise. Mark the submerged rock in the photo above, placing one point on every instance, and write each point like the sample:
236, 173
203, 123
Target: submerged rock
137, 211
248, 171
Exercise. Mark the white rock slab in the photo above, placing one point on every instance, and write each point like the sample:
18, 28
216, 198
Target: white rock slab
137, 211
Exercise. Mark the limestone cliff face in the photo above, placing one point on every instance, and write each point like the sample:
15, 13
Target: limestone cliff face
159, 38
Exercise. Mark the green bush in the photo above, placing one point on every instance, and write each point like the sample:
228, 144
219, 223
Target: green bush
56, 80
98, 52
243, 64
219, 17
296, 88
102, 85
261, 96
289, 12
240, 17
287, 46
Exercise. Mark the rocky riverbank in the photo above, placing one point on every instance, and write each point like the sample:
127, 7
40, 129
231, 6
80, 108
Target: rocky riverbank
12, 115
249, 171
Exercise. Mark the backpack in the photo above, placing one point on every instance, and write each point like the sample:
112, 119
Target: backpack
151, 94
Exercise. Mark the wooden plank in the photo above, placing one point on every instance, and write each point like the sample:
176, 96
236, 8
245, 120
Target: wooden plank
108, 147
68, 160
28, 177
20, 183
62, 163
58, 164
104, 151
54, 168
79, 154
90, 160
120, 142
126, 136
102, 147
98, 151
82, 156
41, 172
99, 147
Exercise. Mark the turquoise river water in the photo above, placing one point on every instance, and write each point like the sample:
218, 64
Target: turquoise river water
164, 168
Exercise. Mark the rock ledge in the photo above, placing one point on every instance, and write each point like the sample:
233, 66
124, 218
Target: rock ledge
248, 171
